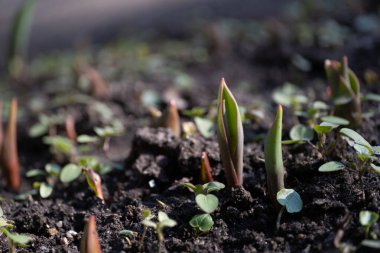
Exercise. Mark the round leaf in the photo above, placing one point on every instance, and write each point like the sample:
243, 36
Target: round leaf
331, 167
354, 136
322, 129
203, 222
35, 173
45, 190
290, 199
301, 132
205, 126
208, 203
368, 218
213, 186
69, 173
335, 120
84, 138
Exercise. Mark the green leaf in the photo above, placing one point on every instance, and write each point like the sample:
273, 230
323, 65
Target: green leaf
331, 167
290, 142
290, 199
301, 132
208, 203
322, 129
354, 136
374, 244
368, 218
35, 173
375, 168
335, 120
319, 105
376, 150
205, 126
203, 222
38, 130
53, 169
87, 139
230, 136
165, 221
127, 232
149, 223
213, 186
19, 239
373, 97
45, 190
70, 172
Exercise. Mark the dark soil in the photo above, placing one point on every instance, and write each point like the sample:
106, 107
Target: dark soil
155, 162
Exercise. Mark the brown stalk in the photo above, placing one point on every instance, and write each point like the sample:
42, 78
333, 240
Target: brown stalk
99, 86
90, 241
206, 176
9, 155
171, 120
70, 128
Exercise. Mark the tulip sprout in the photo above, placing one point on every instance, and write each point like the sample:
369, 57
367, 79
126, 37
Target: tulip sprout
90, 241
205, 169
230, 136
170, 118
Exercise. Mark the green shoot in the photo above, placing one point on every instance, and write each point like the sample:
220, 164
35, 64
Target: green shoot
163, 221
90, 241
230, 136
290, 200
367, 219
273, 158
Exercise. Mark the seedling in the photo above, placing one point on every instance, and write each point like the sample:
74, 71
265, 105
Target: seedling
205, 126
46, 125
367, 219
61, 147
170, 119
290, 96
127, 235
163, 221
207, 202
95, 182
205, 169
273, 157
91, 76
230, 136
345, 89
14, 239
90, 241
9, 154
147, 215
70, 128
290, 200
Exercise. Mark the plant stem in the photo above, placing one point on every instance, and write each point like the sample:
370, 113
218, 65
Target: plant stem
12, 246
278, 222
366, 232
141, 243
160, 238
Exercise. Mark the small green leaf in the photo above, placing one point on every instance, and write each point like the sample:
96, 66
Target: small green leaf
53, 169
335, 120
319, 105
373, 97
205, 126
368, 218
290, 142
165, 221
322, 129
203, 222
301, 132
208, 203
87, 139
331, 167
357, 138
127, 232
19, 239
376, 150
374, 244
38, 130
213, 186
290, 199
70, 172
375, 168
45, 190
35, 173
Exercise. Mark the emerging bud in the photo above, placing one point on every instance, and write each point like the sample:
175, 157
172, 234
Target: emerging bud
99, 86
90, 241
94, 181
171, 120
9, 154
206, 176
70, 128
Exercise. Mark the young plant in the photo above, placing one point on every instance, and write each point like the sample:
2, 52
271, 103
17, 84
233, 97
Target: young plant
273, 158
71, 133
95, 182
207, 202
46, 125
127, 235
290, 200
14, 239
90, 241
170, 118
206, 175
147, 215
345, 90
230, 136
367, 219
9, 154
51, 174
163, 221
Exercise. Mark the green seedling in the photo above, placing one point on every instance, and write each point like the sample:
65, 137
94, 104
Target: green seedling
9, 154
147, 215
290, 200
273, 158
128, 235
61, 147
163, 221
345, 90
14, 239
230, 136
94, 182
367, 219
206, 175
19, 38
90, 241
207, 202
205, 126
290, 96
188, 129
46, 125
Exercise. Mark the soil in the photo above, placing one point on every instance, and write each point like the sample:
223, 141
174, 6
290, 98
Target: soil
154, 162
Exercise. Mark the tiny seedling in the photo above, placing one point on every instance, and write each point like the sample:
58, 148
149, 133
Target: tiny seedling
206, 175
71, 133
61, 147
367, 219
14, 239
230, 136
207, 202
147, 215
290, 96
94, 182
170, 119
127, 235
9, 154
46, 125
205, 126
90, 241
290, 200
273, 158
163, 221
345, 89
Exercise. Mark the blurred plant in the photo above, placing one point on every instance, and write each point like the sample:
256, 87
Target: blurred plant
90, 241
127, 235
89, 76
14, 239
9, 154
290, 96
71, 133
19, 38
367, 219
170, 119
163, 221
95, 182
230, 136
290, 200
46, 124
51, 174
345, 90
207, 202
206, 175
